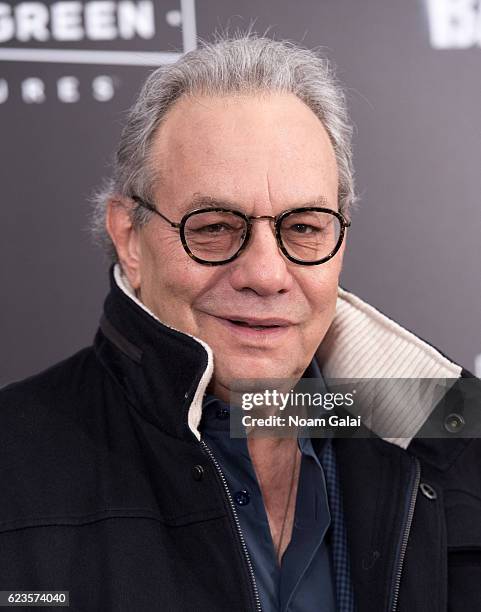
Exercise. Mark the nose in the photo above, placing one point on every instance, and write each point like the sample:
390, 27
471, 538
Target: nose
261, 267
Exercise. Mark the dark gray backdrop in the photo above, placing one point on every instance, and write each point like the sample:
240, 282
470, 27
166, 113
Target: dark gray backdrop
414, 248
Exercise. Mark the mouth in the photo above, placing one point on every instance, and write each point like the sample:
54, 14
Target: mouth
254, 327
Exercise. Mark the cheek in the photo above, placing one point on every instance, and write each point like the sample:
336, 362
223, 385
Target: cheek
173, 285
320, 285
320, 289
172, 282
164, 263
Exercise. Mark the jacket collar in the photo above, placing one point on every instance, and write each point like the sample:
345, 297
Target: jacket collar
162, 368
362, 343
163, 372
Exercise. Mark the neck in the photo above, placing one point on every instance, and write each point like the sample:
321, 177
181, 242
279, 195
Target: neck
277, 465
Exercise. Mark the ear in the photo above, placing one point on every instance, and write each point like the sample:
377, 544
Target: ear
125, 237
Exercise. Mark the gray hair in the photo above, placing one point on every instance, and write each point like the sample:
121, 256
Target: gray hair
246, 63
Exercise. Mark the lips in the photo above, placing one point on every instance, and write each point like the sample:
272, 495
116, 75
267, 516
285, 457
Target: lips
255, 328
251, 326
256, 323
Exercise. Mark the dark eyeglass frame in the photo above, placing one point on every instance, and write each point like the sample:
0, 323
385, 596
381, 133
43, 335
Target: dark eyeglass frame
248, 221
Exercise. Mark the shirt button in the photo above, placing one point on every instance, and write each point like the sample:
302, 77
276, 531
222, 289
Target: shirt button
242, 498
222, 413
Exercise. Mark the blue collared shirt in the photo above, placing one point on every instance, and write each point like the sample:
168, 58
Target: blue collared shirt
304, 581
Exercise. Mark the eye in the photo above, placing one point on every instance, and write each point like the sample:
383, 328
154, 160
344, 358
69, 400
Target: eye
215, 228
303, 228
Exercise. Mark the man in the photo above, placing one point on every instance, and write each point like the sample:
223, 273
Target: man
227, 219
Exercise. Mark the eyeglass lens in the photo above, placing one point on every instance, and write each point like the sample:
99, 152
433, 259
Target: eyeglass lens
308, 236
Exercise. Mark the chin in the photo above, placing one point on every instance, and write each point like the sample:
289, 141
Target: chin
260, 368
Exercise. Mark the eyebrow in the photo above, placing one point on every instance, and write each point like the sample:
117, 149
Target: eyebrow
200, 200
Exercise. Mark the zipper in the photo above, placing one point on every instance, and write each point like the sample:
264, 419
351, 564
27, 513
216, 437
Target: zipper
237, 524
396, 583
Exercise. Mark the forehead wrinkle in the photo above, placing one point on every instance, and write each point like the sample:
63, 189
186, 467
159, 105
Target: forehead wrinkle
269, 195
295, 194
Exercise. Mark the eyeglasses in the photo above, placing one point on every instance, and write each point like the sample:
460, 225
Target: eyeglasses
215, 236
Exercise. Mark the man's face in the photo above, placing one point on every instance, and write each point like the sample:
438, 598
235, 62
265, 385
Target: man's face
263, 155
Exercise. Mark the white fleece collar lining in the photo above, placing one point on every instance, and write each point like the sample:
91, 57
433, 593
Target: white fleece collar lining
361, 343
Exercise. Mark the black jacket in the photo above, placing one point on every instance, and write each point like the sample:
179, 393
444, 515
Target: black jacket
107, 492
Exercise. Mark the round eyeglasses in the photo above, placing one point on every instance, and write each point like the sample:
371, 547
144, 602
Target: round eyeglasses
308, 236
